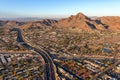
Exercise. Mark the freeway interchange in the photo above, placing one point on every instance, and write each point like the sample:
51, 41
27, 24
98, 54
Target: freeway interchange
49, 67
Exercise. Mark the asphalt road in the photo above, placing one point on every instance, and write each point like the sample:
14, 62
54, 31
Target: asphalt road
49, 65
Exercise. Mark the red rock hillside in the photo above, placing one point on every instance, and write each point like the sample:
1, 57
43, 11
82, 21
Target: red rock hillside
112, 21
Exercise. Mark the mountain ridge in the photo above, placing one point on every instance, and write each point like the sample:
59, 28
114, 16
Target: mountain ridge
79, 21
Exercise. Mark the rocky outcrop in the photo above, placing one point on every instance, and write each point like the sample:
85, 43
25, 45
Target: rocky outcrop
112, 21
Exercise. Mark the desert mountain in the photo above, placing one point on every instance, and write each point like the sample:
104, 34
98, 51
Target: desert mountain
41, 23
81, 21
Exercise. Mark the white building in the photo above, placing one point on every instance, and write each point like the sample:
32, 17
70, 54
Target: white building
3, 59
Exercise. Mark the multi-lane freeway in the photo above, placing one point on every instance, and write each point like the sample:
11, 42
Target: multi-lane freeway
50, 72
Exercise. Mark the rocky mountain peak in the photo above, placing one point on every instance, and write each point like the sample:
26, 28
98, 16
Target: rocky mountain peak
80, 15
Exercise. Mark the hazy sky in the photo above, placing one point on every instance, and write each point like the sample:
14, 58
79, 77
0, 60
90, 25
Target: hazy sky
58, 8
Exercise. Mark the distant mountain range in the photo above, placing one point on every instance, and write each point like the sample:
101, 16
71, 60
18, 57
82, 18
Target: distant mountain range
79, 21
21, 19
26, 19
